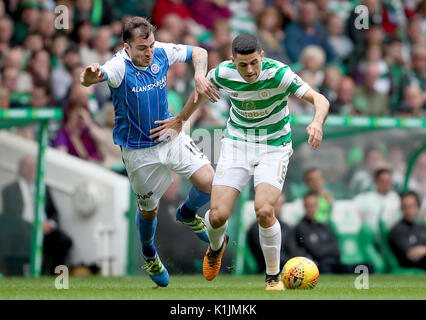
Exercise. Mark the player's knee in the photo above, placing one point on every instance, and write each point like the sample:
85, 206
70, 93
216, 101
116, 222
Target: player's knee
217, 218
148, 214
208, 174
264, 211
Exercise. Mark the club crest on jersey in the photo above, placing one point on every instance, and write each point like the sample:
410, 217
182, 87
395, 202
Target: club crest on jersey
264, 94
248, 105
155, 68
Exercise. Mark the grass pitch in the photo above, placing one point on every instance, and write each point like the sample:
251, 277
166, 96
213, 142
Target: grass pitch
224, 287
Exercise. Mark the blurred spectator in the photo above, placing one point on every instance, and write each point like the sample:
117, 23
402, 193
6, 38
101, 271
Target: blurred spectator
29, 19
206, 12
382, 203
367, 98
182, 83
373, 35
397, 68
331, 82
407, 239
164, 35
314, 181
312, 60
18, 201
374, 54
79, 135
41, 95
10, 80
214, 59
417, 75
99, 12
82, 34
163, 7
15, 59
415, 36
341, 8
344, 100
398, 164
6, 33
33, 43
362, 178
307, 31
341, 43
60, 43
244, 14
39, 66
175, 25
289, 248
4, 98
111, 153
131, 7
173, 98
61, 75
413, 103
288, 10
417, 181
271, 36
47, 27
221, 35
317, 239
79, 94
101, 45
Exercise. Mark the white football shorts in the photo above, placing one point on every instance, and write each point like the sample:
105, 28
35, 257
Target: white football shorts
240, 160
149, 169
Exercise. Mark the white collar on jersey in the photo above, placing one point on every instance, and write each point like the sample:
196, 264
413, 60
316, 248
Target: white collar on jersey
126, 56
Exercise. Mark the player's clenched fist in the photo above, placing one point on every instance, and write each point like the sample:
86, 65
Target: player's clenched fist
92, 74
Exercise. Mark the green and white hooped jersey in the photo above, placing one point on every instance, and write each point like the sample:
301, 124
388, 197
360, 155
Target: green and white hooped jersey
259, 111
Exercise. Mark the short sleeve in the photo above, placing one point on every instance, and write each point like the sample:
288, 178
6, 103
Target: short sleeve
114, 71
292, 83
176, 52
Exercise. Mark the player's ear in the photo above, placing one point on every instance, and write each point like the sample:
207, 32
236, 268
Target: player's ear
233, 61
262, 54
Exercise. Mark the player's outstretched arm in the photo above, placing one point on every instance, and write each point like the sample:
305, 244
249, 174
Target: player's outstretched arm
170, 128
203, 86
321, 105
92, 74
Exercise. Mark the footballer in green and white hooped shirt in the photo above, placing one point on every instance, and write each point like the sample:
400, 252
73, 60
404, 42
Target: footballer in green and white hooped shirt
257, 142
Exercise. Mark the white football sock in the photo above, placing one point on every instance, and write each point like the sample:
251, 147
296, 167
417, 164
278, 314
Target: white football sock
270, 241
216, 235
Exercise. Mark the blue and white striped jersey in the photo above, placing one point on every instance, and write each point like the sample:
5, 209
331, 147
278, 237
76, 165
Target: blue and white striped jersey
139, 94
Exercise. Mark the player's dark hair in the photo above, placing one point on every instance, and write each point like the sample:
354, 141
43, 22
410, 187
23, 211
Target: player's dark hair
136, 26
410, 193
245, 44
381, 171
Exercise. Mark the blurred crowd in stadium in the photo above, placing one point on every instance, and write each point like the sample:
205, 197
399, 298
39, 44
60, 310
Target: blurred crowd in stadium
375, 71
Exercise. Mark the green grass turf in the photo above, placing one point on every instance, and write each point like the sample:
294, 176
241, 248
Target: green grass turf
224, 287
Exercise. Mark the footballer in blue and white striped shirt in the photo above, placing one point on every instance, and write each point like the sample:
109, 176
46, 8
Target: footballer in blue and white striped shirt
137, 78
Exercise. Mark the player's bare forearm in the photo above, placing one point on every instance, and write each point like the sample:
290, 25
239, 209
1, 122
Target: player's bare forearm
203, 86
320, 103
199, 60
